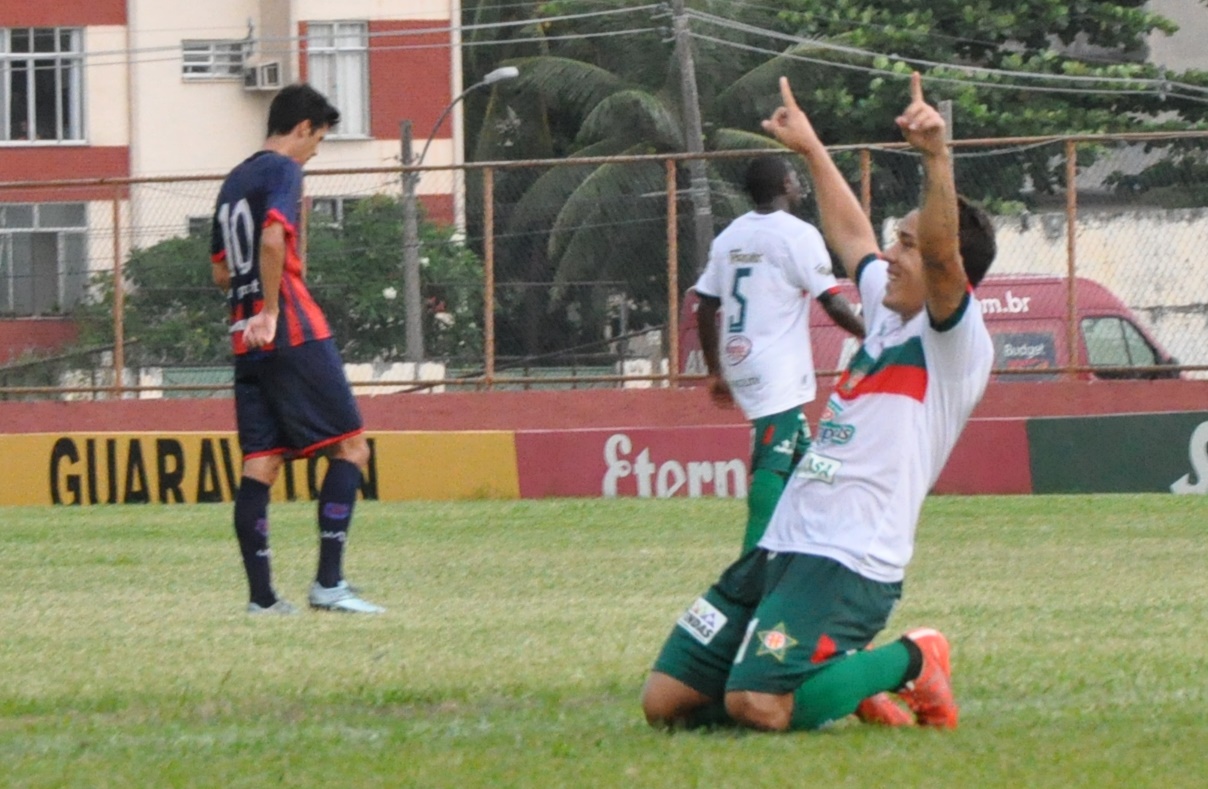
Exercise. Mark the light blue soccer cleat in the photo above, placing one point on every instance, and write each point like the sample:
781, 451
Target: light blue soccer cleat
341, 597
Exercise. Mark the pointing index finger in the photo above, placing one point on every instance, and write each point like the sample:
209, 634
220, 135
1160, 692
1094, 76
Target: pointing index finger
786, 94
916, 87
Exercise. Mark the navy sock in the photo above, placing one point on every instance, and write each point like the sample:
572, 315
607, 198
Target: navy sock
251, 527
337, 498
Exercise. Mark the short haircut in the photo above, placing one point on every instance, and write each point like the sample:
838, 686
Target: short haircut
300, 102
765, 178
977, 244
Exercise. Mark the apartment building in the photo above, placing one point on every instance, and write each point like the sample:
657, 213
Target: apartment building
117, 89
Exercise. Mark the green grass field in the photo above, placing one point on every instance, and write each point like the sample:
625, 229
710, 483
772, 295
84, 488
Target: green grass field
519, 633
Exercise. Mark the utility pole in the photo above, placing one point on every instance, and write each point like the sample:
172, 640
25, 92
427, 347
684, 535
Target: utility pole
413, 316
945, 110
702, 212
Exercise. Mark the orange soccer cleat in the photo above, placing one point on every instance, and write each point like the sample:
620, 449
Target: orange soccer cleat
882, 711
930, 693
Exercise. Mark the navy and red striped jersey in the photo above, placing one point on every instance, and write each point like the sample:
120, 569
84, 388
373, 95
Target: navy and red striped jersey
265, 188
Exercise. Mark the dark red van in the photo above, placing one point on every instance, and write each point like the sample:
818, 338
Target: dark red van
1027, 318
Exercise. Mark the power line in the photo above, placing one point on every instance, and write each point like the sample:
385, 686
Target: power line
952, 80
864, 25
798, 40
370, 36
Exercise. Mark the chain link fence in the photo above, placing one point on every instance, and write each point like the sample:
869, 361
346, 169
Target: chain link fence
571, 273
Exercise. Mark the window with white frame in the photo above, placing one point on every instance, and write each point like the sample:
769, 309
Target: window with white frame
337, 64
199, 225
43, 257
41, 84
212, 59
331, 211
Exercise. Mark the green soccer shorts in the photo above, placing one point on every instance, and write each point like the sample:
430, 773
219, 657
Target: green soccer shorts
780, 441
771, 621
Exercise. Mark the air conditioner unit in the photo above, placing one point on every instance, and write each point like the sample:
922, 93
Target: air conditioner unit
262, 76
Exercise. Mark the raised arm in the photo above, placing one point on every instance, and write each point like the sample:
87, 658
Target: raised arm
845, 227
939, 218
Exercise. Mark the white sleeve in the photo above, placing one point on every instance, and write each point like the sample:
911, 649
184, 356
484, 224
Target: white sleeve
809, 263
709, 283
961, 345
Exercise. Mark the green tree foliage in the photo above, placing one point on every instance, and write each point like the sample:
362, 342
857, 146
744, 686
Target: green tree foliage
603, 84
579, 95
355, 272
173, 313
175, 316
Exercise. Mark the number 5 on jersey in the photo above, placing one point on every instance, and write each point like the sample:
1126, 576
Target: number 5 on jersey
738, 322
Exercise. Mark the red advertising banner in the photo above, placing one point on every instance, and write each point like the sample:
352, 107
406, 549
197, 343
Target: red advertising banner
991, 457
645, 462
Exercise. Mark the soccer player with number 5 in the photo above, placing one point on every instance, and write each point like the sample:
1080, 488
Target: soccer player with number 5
763, 272
291, 396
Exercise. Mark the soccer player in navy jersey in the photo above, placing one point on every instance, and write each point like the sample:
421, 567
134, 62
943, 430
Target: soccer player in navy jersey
291, 396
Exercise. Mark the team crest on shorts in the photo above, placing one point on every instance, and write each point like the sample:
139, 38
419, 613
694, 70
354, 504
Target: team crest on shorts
775, 642
702, 620
737, 349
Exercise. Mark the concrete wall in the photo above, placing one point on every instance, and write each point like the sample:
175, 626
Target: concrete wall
1154, 260
652, 443
1185, 49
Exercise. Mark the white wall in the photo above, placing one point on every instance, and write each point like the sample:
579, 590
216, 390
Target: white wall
1185, 49
1154, 260
106, 99
194, 126
370, 10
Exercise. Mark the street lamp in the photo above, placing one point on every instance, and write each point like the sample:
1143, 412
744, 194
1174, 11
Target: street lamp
413, 324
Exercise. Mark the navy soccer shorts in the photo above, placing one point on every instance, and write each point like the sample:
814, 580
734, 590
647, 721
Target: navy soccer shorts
293, 401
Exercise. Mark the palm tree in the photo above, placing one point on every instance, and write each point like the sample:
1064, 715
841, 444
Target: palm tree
562, 227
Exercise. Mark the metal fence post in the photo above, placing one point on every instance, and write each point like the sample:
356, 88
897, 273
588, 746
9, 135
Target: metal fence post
488, 265
672, 278
119, 298
413, 315
1071, 252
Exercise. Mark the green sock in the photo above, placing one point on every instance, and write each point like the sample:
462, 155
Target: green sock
835, 691
766, 487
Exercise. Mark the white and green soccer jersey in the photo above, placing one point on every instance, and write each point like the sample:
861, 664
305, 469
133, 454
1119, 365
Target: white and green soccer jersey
884, 436
766, 269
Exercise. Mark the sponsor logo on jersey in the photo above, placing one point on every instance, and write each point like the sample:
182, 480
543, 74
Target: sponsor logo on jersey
702, 620
819, 467
738, 257
737, 349
835, 432
775, 642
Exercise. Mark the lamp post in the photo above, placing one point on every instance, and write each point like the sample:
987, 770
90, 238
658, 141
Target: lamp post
413, 323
